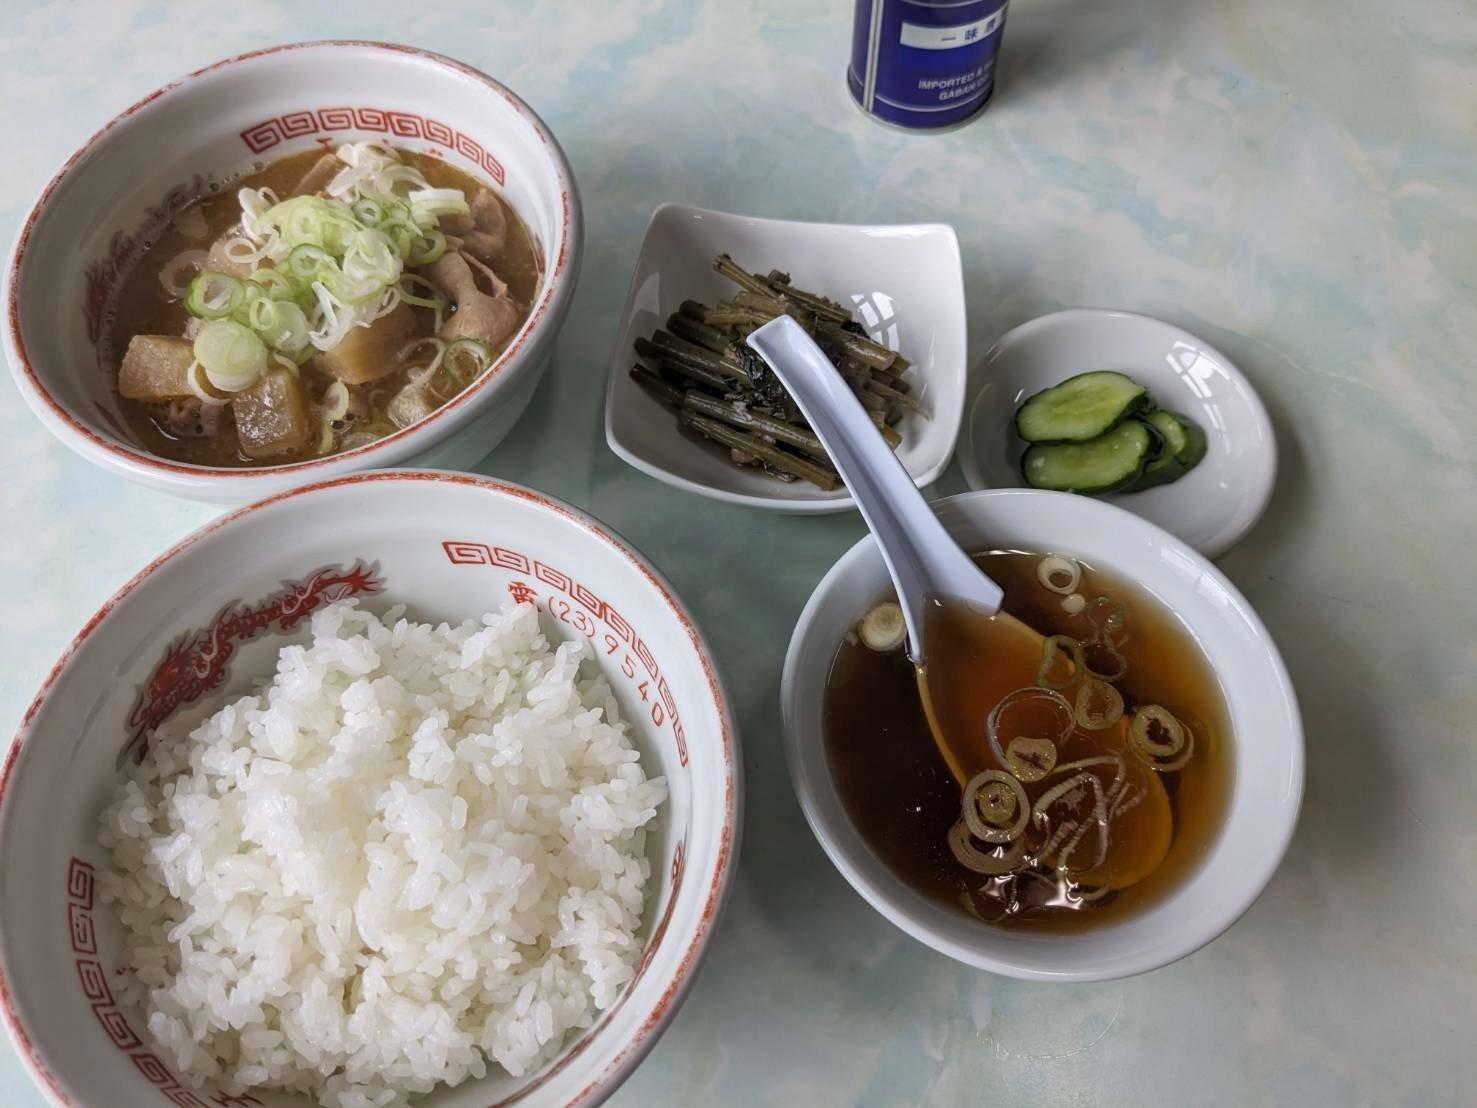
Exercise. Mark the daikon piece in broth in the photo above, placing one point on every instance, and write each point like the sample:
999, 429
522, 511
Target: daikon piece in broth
1101, 765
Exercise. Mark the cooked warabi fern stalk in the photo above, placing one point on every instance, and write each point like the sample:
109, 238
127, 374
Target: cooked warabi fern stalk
722, 391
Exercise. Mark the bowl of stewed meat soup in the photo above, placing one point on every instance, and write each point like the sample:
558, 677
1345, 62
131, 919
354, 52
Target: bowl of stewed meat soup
303, 289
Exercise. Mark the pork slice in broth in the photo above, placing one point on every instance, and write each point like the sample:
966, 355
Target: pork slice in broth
316, 179
489, 319
484, 310
483, 232
191, 418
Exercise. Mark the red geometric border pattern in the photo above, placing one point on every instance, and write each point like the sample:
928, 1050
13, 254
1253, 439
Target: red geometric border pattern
79, 930
94, 982
81, 883
663, 705
117, 1028
260, 137
477, 554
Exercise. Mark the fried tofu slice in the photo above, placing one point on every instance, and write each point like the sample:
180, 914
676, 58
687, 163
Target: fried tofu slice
369, 353
156, 368
273, 416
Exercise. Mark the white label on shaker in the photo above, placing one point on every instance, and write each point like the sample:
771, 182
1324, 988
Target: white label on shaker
947, 38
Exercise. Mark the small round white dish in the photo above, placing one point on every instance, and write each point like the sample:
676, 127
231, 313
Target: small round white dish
1266, 739
1213, 505
905, 284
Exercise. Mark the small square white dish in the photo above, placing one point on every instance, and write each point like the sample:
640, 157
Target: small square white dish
1213, 505
905, 284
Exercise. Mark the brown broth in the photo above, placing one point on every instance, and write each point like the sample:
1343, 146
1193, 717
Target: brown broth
141, 306
903, 800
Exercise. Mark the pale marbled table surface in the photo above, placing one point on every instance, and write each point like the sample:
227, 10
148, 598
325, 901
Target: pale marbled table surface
1295, 182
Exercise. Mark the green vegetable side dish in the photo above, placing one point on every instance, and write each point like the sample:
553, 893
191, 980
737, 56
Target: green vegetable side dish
1109, 463
1101, 432
1080, 408
722, 391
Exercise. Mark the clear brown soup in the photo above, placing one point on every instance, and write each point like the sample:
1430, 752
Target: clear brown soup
141, 306
903, 800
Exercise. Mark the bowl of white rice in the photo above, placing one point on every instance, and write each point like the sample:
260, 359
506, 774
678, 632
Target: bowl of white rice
403, 788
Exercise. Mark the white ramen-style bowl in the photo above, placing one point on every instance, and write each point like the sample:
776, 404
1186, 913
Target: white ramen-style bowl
196, 134
204, 622
904, 284
1266, 739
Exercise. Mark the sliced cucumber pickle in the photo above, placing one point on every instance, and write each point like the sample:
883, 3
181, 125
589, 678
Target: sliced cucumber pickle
1184, 447
1108, 463
1172, 427
1195, 446
1080, 408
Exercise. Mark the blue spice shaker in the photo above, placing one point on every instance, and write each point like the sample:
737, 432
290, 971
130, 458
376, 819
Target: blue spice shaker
925, 65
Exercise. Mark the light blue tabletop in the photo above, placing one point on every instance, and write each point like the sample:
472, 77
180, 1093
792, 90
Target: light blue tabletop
1295, 182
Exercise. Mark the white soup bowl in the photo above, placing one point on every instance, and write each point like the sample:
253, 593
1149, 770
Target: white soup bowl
1266, 738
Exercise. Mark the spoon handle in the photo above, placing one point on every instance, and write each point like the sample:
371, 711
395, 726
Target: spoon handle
923, 561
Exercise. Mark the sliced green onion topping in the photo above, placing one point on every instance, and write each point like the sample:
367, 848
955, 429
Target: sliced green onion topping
231, 355
196, 383
309, 260
367, 211
281, 324
1156, 735
466, 358
1060, 575
328, 264
995, 807
882, 629
426, 248
1061, 662
409, 281
274, 283
1109, 621
1030, 759
213, 296
972, 858
241, 249
427, 205
1099, 705
336, 402
1034, 712
176, 268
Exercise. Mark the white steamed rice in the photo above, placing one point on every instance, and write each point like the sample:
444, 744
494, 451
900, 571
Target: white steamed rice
419, 848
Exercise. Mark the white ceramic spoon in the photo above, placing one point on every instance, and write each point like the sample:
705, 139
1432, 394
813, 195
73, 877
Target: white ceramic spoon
925, 564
